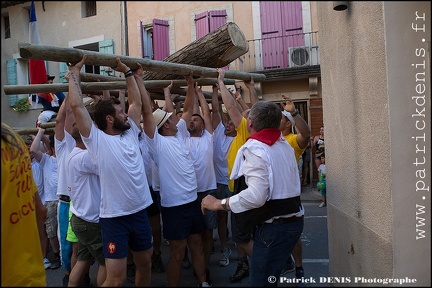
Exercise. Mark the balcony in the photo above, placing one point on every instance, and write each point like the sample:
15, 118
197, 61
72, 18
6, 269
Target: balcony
291, 56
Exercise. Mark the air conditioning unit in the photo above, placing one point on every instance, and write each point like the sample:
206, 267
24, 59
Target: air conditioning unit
303, 56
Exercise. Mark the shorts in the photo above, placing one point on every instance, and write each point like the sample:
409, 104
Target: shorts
210, 217
181, 221
153, 209
51, 222
306, 155
89, 240
70, 236
120, 233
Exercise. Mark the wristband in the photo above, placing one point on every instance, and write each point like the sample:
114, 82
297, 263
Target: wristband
295, 113
128, 73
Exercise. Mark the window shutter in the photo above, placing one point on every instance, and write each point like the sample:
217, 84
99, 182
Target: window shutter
63, 69
202, 24
106, 46
11, 71
293, 23
160, 39
217, 19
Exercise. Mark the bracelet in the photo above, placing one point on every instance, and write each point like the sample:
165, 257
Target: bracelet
128, 73
295, 113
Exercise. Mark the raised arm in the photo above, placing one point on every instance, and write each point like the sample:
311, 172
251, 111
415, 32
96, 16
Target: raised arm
252, 91
240, 101
228, 100
169, 106
134, 96
188, 105
35, 150
303, 130
205, 110
146, 108
215, 115
74, 98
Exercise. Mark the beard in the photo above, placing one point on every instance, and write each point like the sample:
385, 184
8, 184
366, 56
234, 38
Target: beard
119, 125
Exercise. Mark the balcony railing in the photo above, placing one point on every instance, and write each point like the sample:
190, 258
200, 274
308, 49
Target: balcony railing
281, 52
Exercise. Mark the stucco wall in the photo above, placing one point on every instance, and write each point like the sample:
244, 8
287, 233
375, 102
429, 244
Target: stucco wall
60, 25
371, 218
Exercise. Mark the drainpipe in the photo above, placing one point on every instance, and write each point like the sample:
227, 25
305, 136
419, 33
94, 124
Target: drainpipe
125, 29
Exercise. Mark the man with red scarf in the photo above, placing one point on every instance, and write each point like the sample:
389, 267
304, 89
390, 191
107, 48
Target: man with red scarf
272, 193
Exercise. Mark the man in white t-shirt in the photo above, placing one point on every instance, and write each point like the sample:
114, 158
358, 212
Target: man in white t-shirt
178, 183
112, 141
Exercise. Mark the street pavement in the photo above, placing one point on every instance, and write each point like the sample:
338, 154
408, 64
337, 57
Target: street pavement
315, 254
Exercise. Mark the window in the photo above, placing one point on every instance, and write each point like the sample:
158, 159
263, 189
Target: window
7, 27
88, 8
155, 39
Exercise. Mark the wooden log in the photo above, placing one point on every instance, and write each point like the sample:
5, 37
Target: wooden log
27, 131
96, 87
73, 55
214, 50
90, 77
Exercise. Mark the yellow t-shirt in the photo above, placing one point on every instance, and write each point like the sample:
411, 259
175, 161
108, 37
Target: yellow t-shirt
21, 259
238, 141
292, 140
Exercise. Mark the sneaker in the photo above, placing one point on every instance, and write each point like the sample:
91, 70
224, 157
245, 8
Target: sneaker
186, 262
289, 266
86, 282
241, 272
157, 264
204, 284
224, 258
323, 204
131, 270
56, 263
299, 274
65, 280
47, 263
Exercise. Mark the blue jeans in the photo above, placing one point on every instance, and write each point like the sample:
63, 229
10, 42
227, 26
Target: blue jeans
65, 246
273, 244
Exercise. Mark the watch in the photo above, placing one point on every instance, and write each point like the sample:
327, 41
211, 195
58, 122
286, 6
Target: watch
295, 113
224, 204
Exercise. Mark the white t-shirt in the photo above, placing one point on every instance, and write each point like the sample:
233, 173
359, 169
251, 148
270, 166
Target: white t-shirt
221, 144
146, 158
49, 165
62, 150
84, 186
178, 184
202, 156
124, 187
270, 173
38, 178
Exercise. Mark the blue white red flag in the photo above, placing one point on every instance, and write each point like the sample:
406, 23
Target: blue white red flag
37, 69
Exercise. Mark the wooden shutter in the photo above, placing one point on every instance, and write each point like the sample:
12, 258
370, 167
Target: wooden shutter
209, 21
160, 39
106, 46
11, 71
63, 69
279, 19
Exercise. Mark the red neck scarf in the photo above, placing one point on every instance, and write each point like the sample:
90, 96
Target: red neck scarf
268, 136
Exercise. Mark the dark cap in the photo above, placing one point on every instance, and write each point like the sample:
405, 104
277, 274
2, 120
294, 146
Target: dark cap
49, 77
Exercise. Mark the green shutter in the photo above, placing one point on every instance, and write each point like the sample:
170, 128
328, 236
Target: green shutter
106, 46
11, 70
63, 69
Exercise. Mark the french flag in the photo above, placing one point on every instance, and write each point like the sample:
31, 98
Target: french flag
37, 68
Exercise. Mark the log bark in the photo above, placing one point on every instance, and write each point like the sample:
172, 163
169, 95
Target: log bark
73, 55
214, 50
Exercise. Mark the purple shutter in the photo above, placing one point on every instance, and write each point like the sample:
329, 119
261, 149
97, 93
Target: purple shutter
202, 24
279, 19
160, 39
217, 19
293, 23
